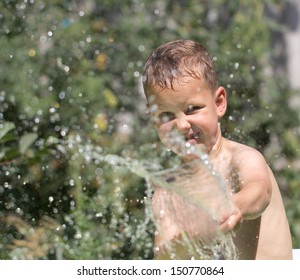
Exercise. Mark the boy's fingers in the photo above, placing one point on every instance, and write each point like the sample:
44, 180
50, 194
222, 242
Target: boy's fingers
232, 223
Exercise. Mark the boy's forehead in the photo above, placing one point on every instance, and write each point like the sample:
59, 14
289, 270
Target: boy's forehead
183, 85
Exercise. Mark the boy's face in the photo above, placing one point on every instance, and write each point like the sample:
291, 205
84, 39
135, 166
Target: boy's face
190, 110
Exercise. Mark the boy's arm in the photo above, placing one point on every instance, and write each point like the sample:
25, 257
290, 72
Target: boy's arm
255, 190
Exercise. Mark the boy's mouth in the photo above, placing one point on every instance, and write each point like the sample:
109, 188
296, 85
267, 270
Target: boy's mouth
193, 138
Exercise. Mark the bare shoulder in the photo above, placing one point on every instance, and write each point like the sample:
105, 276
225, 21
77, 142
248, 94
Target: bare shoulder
250, 165
245, 156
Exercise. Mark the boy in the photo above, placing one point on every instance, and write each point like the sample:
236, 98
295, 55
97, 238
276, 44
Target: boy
183, 98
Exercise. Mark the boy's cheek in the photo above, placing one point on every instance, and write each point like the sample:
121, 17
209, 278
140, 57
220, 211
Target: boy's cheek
165, 135
162, 135
165, 128
169, 140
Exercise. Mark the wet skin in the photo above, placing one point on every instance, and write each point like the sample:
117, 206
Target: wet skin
193, 110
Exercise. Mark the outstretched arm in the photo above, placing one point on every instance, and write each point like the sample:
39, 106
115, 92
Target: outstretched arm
255, 188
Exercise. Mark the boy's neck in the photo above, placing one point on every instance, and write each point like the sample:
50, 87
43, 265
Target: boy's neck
217, 147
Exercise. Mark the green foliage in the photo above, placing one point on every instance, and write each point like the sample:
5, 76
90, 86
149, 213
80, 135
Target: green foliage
9, 149
70, 79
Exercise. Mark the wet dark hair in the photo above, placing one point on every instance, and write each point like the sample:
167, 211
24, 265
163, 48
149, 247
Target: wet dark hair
176, 60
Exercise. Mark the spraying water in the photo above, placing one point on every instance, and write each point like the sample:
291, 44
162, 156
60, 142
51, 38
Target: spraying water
194, 198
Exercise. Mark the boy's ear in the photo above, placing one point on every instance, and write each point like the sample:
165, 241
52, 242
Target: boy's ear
221, 101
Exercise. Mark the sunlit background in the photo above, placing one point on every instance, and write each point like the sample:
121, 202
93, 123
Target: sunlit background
70, 91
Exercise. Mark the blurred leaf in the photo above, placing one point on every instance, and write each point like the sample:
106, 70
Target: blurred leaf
110, 98
101, 121
7, 138
5, 128
9, 153
26, 141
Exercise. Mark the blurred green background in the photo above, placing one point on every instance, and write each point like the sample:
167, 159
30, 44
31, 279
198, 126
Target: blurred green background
70, 82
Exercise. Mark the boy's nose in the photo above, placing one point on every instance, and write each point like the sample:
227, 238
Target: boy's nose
182, 123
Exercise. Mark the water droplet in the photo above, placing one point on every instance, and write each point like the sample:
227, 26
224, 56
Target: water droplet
141, 48
62, 95
19, 211
52, 110
98, 215
31, 52
78, 235
153, 108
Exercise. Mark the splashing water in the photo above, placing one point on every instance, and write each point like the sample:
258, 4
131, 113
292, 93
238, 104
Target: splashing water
194, 199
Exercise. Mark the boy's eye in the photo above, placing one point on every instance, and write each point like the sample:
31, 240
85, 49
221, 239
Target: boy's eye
192, 108
166, 117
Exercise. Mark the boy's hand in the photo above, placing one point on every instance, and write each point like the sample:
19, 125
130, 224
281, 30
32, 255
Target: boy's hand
233, 220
